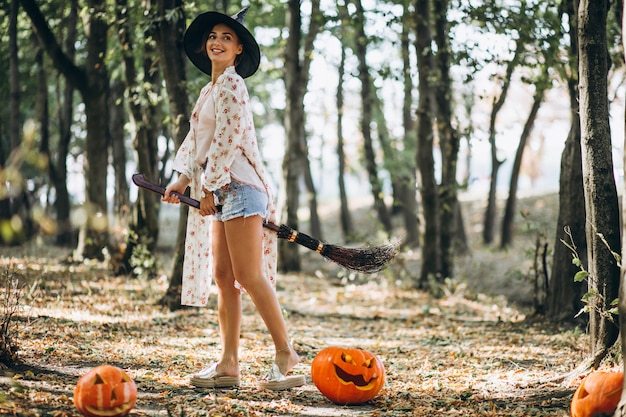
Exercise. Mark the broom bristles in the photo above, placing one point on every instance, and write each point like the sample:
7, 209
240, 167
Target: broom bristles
366, 260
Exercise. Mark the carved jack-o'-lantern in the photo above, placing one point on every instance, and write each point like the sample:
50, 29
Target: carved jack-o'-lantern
598, 394
347, 376
105, 390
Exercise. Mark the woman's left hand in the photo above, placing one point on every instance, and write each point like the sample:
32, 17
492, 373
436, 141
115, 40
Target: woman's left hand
207, 203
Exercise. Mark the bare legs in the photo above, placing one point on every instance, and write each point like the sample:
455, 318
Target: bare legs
228, 304
237, 251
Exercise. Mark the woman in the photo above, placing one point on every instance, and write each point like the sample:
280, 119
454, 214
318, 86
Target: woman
220, 161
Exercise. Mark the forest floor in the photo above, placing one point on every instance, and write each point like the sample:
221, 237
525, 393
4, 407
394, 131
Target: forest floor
473, 349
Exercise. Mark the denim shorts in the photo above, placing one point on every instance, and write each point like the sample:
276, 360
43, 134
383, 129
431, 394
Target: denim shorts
240, 200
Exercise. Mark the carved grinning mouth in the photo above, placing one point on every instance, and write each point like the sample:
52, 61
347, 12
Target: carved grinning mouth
115, 411
357, 380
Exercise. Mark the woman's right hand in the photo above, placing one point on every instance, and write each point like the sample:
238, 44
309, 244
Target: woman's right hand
207, 203
179, 186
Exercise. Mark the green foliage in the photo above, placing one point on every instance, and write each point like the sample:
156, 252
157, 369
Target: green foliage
536, 25
582, 275
591, 297
614, 35
143, 261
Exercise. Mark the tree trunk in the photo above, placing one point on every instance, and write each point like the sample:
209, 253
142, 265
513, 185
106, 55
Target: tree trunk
295, 159
600, 192
169, 36
431, 249
314, 218
43, 103
92, 82
621, 408
289, 255
314, 28
461, 246
117, 120
367, 104
15, 125
511, 202
449, 141
10, 206
346, 218
119, 245
490, 212
408, 181
97, 145
58, 170
144, 226
564, 295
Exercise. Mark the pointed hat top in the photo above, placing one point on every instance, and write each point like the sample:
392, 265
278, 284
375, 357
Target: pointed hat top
241, 14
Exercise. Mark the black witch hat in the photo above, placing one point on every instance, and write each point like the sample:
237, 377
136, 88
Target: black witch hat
197, 32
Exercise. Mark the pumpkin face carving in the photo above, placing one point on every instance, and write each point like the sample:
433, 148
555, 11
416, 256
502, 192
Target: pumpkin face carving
105, 391
347, 376
598, 394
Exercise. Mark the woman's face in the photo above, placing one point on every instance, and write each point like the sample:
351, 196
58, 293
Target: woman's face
222, 45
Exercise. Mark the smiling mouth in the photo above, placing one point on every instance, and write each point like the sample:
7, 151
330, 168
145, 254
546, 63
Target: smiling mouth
115, 411
357, 380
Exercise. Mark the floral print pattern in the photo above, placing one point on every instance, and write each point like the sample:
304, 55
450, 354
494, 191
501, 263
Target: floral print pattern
234, 141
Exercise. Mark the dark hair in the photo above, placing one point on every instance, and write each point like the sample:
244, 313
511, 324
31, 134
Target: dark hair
205, 38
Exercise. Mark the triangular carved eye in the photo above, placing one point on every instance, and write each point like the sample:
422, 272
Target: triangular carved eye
368, 363
98, 380
347, 358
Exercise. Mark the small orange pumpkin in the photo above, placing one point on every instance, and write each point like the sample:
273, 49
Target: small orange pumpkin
105, 390
599, 393
347, 376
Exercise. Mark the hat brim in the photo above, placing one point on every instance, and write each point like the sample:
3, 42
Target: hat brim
196, 51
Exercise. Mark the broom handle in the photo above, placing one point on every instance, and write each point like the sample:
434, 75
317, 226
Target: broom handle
366, 260
142, 182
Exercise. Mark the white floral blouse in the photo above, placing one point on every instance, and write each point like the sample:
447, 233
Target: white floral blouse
223, 111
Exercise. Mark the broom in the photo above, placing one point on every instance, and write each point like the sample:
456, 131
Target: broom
366, 260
